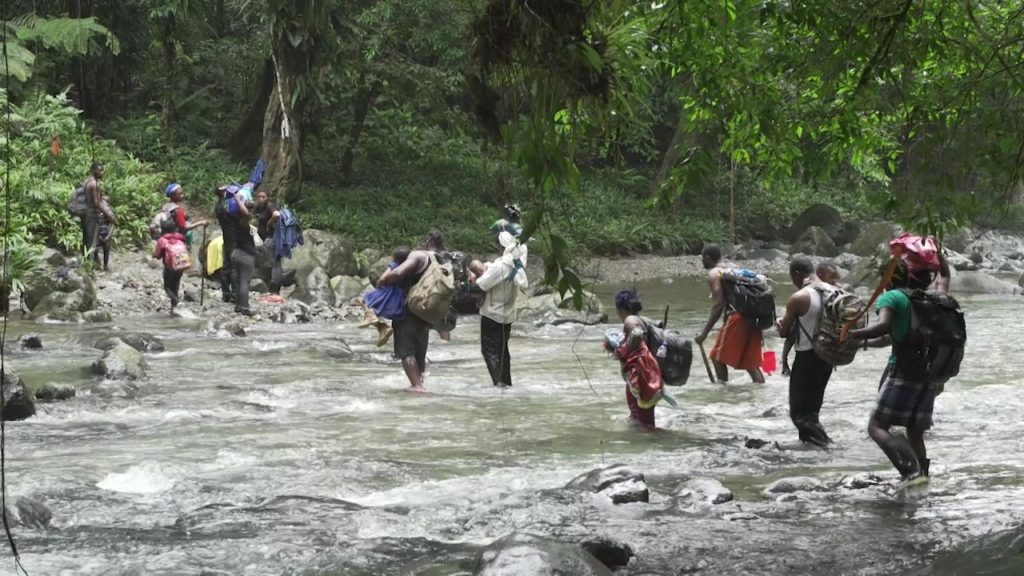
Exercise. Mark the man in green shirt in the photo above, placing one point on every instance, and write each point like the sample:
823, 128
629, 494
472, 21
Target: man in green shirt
902, 399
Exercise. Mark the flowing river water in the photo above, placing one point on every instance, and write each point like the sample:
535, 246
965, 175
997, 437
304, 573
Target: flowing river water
260, 455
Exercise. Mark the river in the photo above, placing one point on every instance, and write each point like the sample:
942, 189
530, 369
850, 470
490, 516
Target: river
263, 456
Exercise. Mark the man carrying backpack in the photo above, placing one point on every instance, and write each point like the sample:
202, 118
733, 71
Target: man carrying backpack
412, 332
811, 373
739, 341
912, 375
227, 230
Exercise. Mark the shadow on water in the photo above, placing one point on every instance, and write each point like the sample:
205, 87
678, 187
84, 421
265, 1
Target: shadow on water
264, 455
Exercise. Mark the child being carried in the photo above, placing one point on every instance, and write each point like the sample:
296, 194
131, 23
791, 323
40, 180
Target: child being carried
385, 302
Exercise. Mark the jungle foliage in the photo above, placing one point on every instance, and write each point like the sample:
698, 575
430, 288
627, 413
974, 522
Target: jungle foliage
620, 125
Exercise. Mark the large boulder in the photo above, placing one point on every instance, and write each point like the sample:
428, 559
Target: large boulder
618, 482
816, 215
872, 235
314, 287
980, 283
816, 242
59, 292
333, 253
19, 402
120, 362
553, 309
995, 245
346, 288
520, 554
377, 269
959, 241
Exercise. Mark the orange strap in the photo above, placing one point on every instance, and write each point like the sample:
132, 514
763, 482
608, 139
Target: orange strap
897, 251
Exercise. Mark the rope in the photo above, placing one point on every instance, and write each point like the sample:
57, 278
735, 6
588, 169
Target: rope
6, 271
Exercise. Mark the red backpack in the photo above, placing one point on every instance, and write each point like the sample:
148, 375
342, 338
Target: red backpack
176, 256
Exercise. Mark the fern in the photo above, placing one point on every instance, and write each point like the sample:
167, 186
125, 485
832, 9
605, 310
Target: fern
72, 36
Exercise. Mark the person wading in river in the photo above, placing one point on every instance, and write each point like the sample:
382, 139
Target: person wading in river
902, 399
810, 373
412, 333
644, 387
738, 343
501, 281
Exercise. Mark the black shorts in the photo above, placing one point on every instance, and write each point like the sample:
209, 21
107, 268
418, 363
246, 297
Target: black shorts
411, 337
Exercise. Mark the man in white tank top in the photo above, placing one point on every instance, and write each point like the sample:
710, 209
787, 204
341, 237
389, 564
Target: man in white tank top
810, 374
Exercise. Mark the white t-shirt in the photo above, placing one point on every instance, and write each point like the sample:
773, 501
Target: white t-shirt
808, 322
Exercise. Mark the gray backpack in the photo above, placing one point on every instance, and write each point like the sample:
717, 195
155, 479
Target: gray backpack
837, 307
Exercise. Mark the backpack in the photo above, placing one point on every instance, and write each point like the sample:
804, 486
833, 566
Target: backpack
431, 297
935, 344
156, 223
837, 307
78, 205
176, 256
750, 296
675, 361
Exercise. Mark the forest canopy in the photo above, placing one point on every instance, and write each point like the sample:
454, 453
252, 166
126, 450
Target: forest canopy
619, 125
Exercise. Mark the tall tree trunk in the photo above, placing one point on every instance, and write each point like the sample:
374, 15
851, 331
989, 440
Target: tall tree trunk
365, 95
223, 25
282, 128
170, 55
247, 140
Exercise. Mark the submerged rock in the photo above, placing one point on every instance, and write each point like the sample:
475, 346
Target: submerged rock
612, 553
141, 341
30, 342
97, 316
704, 491
862, 480
55, 392
525, 554
19, 401
618, 482
29, 512
795, 484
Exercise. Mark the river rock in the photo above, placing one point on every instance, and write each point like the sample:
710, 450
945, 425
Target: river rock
959, 240
314, 287
995, 554
608, 551
704, 491
980, 283
19, 402
58, 292
994, 244
618, 482
335, 349
377, 269
292, 312
816, 242
29, 512
960, 262
846, 260
553, 309
226, 326
97, 316
50, 392
30, 342
141, 341
121, 362
769, 254
346, 288
795, 484
820, 216
333, 253
872, 235
258, 286
522, 554
53, 258
862, 480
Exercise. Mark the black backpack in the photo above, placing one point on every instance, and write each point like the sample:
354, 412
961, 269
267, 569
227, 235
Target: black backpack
751, 296
678, 352
935, 344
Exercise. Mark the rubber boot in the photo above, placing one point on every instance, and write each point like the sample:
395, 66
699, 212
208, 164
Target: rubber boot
902, 456
924, 466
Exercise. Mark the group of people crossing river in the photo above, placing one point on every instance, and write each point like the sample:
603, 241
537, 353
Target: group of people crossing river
823, 322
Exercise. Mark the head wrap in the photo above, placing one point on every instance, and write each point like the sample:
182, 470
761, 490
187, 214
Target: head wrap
171, 189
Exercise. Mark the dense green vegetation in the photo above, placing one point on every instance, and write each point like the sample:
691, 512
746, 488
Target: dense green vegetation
621, 126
